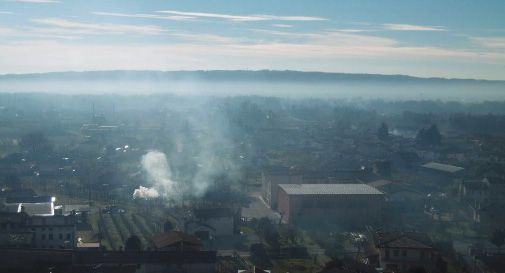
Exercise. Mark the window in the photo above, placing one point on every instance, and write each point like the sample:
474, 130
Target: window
68, 236
396, 252
404, 253
60, 236
42, 236
50, 236
387, 253
422, 254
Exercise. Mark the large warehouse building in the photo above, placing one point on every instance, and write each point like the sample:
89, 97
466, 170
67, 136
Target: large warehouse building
350, 204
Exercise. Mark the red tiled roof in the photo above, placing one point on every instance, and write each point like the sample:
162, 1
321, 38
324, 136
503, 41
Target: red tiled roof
171, 238
403, 240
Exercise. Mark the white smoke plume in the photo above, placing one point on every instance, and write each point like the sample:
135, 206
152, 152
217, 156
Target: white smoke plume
199, 148
158, 171
214, 157
145, 193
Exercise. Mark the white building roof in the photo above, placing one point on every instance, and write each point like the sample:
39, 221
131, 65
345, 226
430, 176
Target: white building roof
33, 207
39, 209
88, 245
328, 189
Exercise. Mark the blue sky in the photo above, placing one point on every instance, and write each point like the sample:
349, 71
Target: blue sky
429, 38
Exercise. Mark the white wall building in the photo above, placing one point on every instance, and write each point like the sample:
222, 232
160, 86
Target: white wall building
47, 229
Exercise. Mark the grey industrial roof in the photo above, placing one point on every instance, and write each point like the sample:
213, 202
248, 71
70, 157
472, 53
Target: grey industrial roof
330, 189
443, 167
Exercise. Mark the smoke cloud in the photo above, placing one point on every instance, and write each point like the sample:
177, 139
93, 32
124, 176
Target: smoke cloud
145, 193
155, 164
198, 149
214, 154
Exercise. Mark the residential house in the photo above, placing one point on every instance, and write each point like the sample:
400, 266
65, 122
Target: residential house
473, 192
486, 201
212, 222
489, 214
176, 241
402, 251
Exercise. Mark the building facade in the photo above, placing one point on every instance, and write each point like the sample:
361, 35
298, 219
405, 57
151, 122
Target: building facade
32, 222
404, 251
270, 185
14, 231
53, 232
353, 204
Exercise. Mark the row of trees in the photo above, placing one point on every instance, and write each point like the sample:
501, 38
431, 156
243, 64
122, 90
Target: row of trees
274, 235
429, 136
425, 136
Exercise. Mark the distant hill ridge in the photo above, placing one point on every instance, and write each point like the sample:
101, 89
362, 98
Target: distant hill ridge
240, 75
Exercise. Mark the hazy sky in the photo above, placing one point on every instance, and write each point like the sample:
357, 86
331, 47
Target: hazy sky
447, 38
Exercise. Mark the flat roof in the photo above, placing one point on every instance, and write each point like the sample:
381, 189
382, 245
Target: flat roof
35, 205
88, 245
443, 167
77, 208
328, 189
39, 209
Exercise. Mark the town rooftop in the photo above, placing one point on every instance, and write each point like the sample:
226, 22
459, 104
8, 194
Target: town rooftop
443, 167
328, 189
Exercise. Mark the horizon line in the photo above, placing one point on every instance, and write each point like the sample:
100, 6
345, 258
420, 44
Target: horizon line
252, 70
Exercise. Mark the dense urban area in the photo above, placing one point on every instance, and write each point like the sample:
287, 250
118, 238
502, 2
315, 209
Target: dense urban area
166, 183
